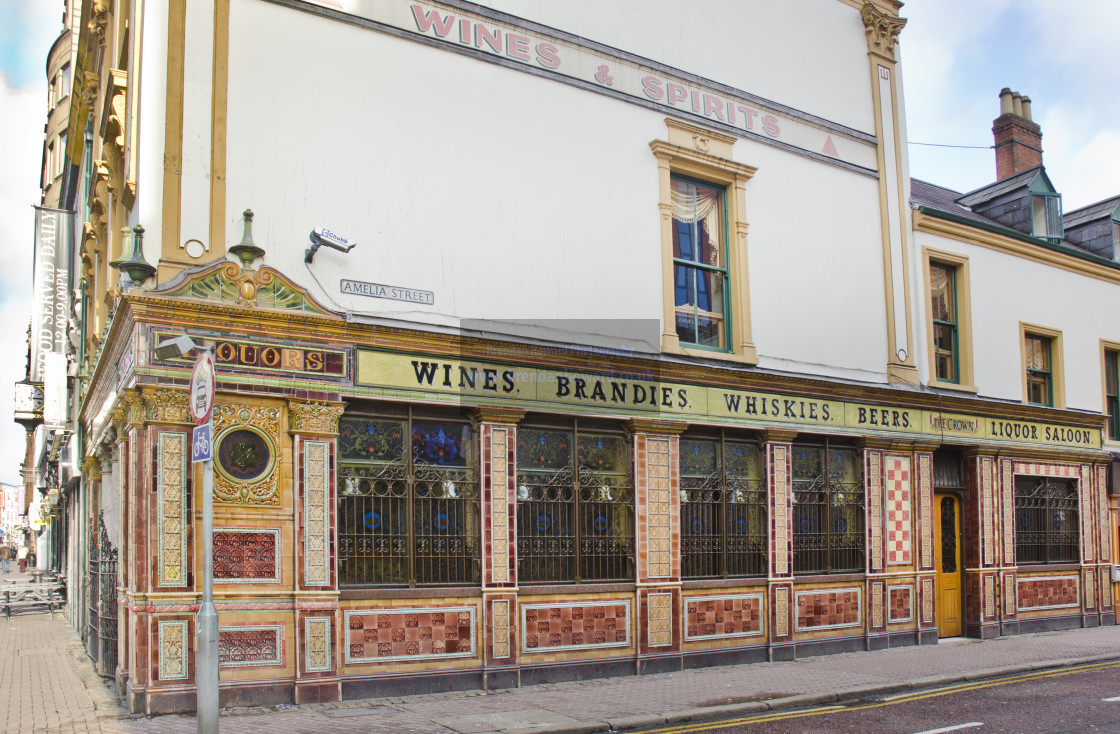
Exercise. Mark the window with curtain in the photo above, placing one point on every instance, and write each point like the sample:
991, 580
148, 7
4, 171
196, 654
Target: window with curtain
828, 509
1040, 384
1112, 392
408, 501
943, 309
1046, 526
700, 269
575, 505
724, 530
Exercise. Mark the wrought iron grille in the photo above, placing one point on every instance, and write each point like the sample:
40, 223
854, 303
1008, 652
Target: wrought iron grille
723, 509
408, 502
575, 508
1046, 512
93, 595
107, 617
828, 510
948, 535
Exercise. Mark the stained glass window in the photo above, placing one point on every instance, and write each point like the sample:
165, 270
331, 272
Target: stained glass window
723, 508
575, 505
828, 509
408, 509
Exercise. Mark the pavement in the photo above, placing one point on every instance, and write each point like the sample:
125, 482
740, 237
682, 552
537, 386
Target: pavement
48, 684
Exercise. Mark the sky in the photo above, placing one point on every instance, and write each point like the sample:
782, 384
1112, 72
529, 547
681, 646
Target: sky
956, 56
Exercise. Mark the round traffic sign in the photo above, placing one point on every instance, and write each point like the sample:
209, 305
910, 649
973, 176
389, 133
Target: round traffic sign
201, 399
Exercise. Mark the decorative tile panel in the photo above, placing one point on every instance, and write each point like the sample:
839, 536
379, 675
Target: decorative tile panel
1106, 588
925, 498
1049, 592
1008, 514
499, 615
499, 505
781, 611
829, 609
246, 438
927, 601
250, 645
1090, 587
171, 559
1086, 511
412, 635
316, 513
899, 507
659, 538
313, 417
1102, 509
986, 510
781, 510
317, 644
718, 617
876, 604
1066, 471
659, 630
173, 650
875, 485
246, 555
575, 626
989, 596
1009, 602
901, 603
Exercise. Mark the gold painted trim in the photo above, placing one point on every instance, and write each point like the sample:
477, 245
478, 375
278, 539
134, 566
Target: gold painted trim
965, 362
660, 428
218, 130
1057, 363
708, 159
1107, 346
1009, 246
498, 414
173, 140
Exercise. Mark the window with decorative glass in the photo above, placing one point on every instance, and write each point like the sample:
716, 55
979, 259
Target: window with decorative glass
700, 265
1112, 392
1046, 526
575, 505
408, 501
1040, 386
943, 309
828, 509
723, 508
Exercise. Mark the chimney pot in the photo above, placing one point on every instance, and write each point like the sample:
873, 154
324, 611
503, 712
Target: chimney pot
1027, 108
1005, 107
1017, 103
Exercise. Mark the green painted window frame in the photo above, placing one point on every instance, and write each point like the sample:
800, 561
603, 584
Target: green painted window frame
954, 325
1045, 375
725, 242
1112, 392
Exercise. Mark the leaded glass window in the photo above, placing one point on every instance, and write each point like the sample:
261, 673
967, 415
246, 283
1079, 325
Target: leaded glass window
408, 501
1046, 527
1040, 382
700, 274
723, 508
575, 505
828, 509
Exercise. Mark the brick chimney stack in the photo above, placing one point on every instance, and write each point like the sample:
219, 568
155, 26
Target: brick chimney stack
1018, 140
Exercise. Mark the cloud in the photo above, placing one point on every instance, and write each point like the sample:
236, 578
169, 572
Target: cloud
23, 118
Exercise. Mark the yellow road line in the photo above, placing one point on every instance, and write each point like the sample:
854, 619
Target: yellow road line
892, 701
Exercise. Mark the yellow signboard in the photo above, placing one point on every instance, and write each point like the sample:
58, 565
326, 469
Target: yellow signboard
415, 376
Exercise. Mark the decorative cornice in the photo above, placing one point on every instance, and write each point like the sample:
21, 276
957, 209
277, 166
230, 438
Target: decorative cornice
91, 468
882, 30
496, 414
319, 418
663, 428
166, 406
778, 435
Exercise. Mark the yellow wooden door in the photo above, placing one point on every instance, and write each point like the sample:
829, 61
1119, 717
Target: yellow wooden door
947, 559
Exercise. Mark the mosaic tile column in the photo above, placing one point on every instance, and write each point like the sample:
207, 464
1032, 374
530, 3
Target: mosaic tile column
498, 442
658, 537
927, 536
1107, 611
1008, 577
781, 611
876, 584
314, 430
982, 546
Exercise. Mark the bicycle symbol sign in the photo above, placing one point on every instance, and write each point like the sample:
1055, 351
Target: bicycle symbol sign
202, 445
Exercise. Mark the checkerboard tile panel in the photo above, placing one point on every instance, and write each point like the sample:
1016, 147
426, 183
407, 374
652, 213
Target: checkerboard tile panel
899, 510
1053, 592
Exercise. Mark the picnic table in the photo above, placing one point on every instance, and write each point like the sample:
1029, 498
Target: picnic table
33, 595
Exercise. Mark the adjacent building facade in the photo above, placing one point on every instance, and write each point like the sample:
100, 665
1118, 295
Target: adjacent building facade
609, 352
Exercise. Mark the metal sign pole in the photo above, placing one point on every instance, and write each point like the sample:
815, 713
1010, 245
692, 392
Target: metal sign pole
206, 667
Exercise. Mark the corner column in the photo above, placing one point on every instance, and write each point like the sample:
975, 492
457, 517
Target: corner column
498, 439
314, 430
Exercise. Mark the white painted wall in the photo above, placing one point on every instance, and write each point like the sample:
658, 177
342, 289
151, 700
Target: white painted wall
1005, 290
516, 197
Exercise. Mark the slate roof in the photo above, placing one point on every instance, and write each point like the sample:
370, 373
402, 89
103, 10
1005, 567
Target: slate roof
991, 191
1100, 210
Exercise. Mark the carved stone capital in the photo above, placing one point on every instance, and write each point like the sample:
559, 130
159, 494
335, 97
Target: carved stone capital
882, 30
91, 468
663, 428
133, 404
119, 417
166, 406
321, 418
496, 414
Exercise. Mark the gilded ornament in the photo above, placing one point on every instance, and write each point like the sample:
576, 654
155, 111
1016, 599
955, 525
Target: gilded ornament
314, 417
91, 468
882, 30
167, 406
245, 456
